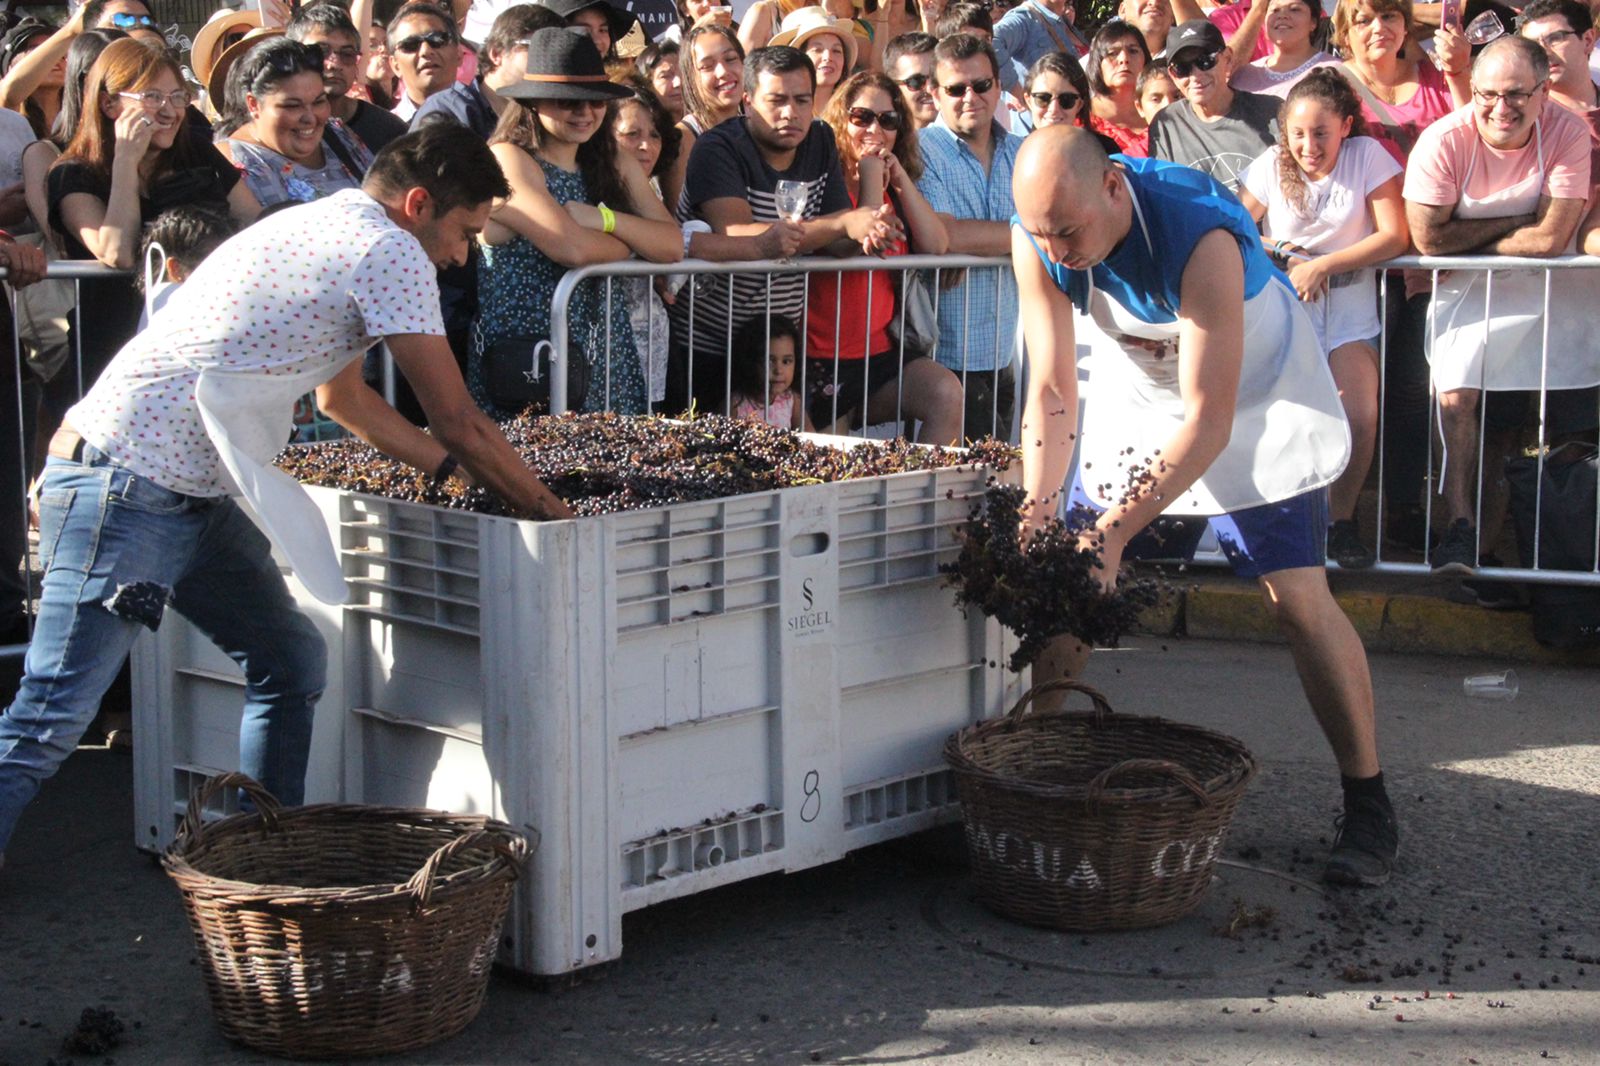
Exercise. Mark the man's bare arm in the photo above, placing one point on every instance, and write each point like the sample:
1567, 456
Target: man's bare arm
1550, 233
970, 236
1050, 410
457, 424
1435, 232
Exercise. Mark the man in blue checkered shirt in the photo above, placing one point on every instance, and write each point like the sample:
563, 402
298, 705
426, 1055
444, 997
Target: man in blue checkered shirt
967, 158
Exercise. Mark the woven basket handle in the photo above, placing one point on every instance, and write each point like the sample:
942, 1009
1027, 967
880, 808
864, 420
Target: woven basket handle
1102, 781
512, 846
192, 829
1061, 684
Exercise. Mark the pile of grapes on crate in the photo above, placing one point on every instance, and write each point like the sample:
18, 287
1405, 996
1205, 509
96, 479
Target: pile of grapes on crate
604, 463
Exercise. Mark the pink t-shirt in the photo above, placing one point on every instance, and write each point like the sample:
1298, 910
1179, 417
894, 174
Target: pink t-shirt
1230, 17
1431, 102
1450, 161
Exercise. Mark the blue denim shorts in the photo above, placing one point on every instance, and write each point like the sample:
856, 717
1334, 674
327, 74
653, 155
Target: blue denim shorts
1259, 540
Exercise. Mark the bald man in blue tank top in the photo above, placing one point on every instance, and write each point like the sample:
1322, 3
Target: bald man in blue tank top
1206, 367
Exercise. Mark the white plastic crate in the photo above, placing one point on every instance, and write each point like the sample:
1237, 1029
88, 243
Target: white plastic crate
674, 699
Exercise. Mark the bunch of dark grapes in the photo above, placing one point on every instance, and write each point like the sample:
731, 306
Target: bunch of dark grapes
604, 463
1049, 589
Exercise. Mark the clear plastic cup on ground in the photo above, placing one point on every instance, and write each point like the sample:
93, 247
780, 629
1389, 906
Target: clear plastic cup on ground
1501, 686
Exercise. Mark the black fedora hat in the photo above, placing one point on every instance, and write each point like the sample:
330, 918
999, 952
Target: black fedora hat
620, 20
563, 64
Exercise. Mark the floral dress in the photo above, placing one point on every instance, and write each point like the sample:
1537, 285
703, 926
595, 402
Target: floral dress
515, 284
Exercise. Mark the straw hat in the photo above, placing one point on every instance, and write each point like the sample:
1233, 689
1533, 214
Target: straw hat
217, 78
802, 24
564, 64
208, 38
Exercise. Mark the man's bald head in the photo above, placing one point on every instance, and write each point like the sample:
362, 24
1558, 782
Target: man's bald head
1064, 156
1069, 196
1515, 51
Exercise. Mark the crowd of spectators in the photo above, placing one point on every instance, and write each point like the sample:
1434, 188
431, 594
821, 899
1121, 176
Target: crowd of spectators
848, 128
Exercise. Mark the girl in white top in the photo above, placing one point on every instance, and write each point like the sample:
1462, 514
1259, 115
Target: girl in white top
1291, 27
1331, 199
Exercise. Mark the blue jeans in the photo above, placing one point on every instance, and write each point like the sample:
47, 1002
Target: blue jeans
116, 549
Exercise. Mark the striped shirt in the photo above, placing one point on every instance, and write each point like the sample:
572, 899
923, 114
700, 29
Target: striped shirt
726, 163
977, 318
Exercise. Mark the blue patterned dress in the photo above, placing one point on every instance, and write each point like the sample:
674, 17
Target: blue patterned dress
515, 284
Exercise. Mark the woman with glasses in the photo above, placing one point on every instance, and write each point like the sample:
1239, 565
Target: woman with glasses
713, 92
131, 157
854, 373
1117, 55
1056, 91
575, 200
1291, 27
289, 147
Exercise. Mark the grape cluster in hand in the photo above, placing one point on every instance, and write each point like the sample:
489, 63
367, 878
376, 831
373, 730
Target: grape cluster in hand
1048, 589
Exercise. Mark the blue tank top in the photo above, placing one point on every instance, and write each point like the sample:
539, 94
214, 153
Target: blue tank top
1180, 205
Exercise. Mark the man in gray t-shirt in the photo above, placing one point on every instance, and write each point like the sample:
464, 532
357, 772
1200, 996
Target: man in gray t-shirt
1212, 128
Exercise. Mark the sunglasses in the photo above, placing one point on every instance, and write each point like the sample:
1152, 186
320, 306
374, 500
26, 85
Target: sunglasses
916, 82
345, 54
122, 20
435, 39
865, 118
1182, 68
1066, 101
959, 89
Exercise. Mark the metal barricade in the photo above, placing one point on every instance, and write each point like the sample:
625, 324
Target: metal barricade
1437, 268
983, 277
20, 465
19, 458
611, 276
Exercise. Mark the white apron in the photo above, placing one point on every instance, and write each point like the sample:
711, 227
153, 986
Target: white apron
249, 417
1498, 346
1289, 430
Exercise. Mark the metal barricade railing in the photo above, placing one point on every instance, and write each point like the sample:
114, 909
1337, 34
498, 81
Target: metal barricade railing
1436, 269
986, 279
1002, 334
609, 275
18, 457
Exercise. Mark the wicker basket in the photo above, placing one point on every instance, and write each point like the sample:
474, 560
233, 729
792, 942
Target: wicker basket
1089, 820
334, 930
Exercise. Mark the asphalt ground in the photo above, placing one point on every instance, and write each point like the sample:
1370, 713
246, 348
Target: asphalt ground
1485, 947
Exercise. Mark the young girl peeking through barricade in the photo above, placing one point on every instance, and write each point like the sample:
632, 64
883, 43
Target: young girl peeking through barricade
1331, 199
765, 354
174, 245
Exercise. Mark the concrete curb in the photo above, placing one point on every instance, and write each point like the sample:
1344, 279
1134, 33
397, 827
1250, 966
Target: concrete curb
1223, 607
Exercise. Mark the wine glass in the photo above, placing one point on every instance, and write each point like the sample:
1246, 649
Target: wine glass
789, 197
1485, 28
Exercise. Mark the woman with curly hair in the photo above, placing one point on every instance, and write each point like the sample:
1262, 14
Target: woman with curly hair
854, 373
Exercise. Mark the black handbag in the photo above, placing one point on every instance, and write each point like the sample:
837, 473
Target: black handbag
1564, 616
517, 373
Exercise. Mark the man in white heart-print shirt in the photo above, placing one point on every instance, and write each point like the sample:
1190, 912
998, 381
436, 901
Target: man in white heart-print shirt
137, 503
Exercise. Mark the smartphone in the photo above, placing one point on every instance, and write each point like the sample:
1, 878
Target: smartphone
1450, 17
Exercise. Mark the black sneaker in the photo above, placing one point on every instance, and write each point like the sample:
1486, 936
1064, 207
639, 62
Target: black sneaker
1365, 847
1345, 547
1457, 551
